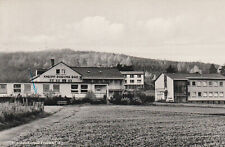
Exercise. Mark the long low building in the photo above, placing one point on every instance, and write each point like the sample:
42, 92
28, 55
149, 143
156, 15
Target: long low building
200, 88
66, 81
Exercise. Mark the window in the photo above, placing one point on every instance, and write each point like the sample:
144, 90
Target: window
131, 81
64, 80
194, 94
27, 88
63, 71
51, 80
199, 94
198, 83
57, 80
216, 94
56, 88
139, 76
46, 88
221, 94
125, 81
204, 84
221, 84
193, 83
57, 71
74, 88
215, 84
210, 94
17, 87
69, 80
99, 88
188, 83
210, 83
139, 81
131, 76
84, 88
189, 94
3, 89
204, 94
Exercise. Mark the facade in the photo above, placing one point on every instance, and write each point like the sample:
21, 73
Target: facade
66, 81
133, 79
208, 88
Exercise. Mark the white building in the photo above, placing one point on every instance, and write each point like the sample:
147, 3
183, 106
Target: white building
204, 88
66, 81
133, 79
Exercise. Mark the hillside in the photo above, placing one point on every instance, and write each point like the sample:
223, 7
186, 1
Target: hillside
16, 67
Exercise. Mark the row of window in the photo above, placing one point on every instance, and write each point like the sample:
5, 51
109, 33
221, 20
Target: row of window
207, 94
132, 81
62, 81
205, 84
46, 88
132, 76
60, 71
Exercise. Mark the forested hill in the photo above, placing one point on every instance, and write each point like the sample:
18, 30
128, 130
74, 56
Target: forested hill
17, 66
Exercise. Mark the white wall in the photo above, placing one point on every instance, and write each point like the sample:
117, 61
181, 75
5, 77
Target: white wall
160, 88
51, 74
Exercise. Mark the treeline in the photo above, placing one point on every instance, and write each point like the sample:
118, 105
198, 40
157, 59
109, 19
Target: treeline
16, 67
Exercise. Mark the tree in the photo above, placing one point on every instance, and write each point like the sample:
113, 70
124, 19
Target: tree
212, 69
222, 70
171, 69
196, 69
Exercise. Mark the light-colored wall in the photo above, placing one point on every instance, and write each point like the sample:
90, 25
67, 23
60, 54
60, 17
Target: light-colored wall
170, 89
74, 76
207, 89
160, 88
65, 90
128, 78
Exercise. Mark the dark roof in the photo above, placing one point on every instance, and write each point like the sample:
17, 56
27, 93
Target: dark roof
41, 71
180, 76
98, 72
92, 72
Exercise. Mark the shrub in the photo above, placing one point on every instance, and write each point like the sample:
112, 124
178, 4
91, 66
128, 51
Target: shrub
125, 101
136, 101
89, 98
116, 99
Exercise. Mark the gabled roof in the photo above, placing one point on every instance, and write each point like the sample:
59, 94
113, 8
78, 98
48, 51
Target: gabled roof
92, 72
98, 72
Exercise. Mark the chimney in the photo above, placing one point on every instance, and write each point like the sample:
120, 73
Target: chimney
52, 62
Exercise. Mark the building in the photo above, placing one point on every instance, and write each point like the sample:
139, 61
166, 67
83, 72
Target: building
133, 79
207, 88
66, 81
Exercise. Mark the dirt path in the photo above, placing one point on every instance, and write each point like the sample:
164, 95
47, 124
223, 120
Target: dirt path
7, 135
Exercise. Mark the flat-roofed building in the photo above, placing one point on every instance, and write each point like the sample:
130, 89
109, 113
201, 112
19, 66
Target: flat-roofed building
177, 87
133, 79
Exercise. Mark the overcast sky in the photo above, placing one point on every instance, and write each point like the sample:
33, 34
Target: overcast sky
186, 30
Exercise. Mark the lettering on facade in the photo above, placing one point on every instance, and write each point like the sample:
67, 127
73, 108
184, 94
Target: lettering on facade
60, 76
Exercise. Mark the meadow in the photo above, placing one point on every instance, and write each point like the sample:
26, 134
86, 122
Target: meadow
13, 114
105, 125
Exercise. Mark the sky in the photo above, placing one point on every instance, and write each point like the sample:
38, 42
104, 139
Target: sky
180, 30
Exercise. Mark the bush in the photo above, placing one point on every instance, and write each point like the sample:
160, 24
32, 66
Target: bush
136, 101
125, 101
116, 99
54, 100
89, 98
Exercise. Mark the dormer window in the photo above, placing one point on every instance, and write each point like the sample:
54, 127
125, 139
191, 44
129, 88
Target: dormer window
57, 71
